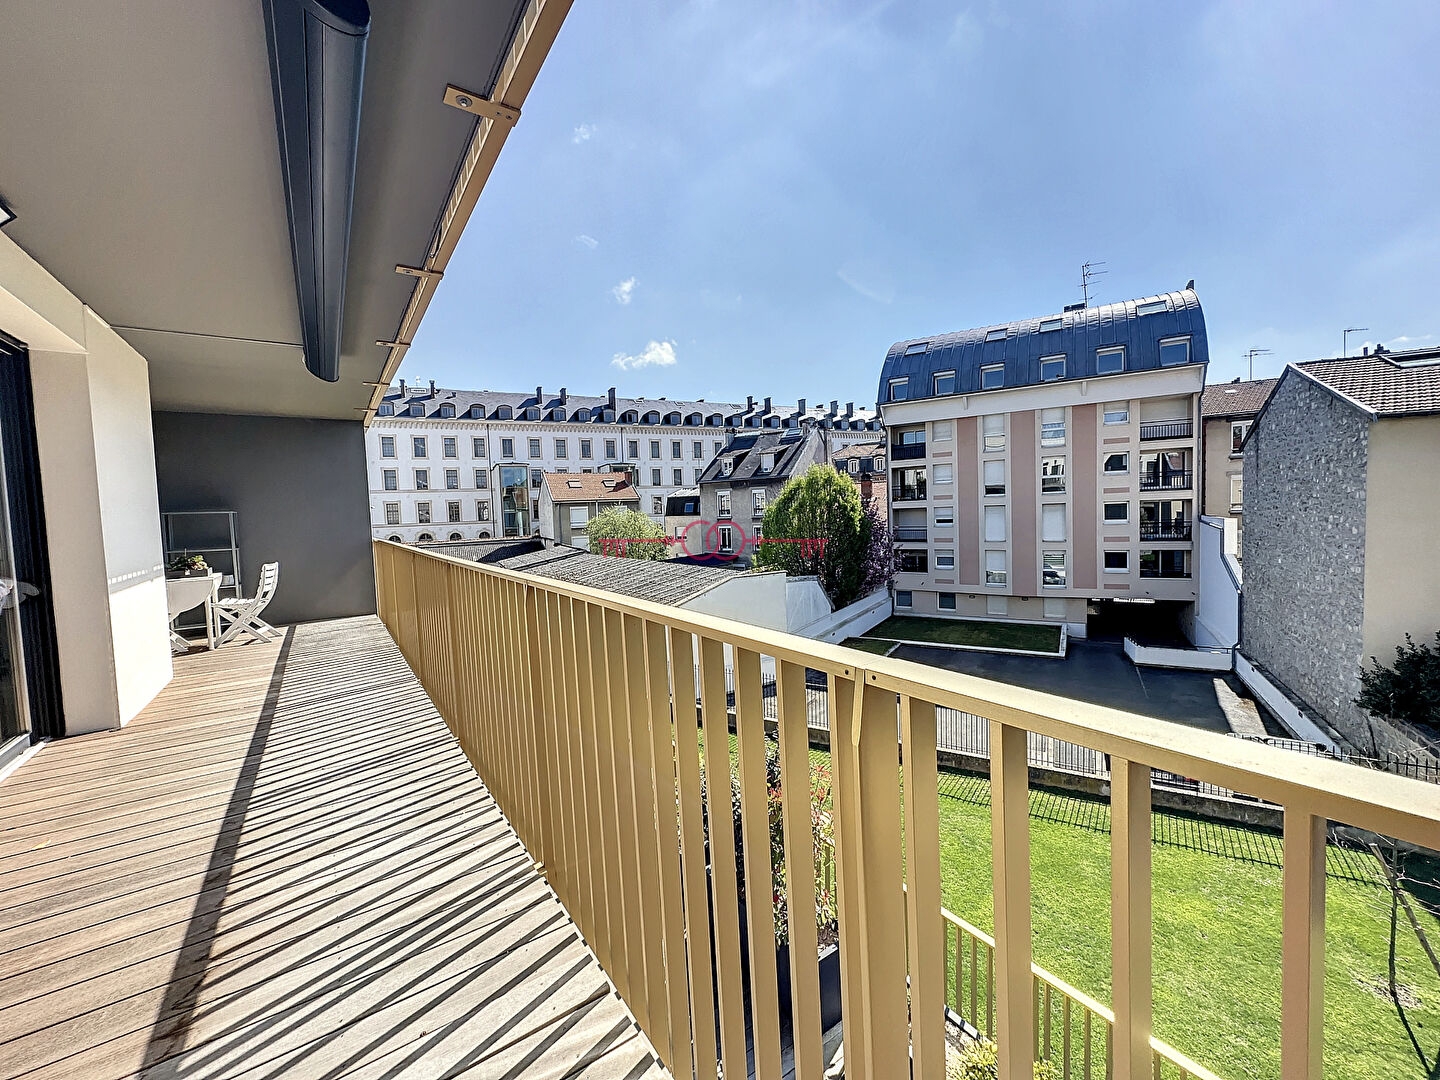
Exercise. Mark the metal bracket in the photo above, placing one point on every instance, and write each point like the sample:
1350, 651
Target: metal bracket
479, 105
419, 272
392, 344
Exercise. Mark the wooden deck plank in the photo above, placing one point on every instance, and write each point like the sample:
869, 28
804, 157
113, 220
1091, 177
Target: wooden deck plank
285, 865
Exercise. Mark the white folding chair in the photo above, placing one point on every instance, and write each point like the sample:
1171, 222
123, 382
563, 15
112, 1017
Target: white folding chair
243, 615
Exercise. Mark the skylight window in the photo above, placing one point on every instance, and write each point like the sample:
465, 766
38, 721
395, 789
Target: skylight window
915, 348
997, 335
1152, 307
1046, 325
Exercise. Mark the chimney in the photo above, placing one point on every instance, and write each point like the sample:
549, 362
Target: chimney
800, 406
563, 395
432, 387
539, 395
767, 404
402, 387
1365, 351
834, 407
749, 402
849, 408
1380, 349
611, 396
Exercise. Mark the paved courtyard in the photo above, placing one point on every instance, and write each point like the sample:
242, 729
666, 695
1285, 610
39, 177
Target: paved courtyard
1095, 671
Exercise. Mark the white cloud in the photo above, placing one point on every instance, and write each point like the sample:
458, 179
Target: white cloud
586, 240
624, 291
656, 354
583, 133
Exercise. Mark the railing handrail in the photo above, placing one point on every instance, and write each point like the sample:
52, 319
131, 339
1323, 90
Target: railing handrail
1392, 805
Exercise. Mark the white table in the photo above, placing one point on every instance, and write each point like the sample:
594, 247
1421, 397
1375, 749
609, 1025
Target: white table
182, 594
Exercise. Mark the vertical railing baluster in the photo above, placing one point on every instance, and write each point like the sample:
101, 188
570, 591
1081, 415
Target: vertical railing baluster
759, 871
1302, 974
1010, 846
1130, 915
844, 698
692, 853
720, 807
650, 906
922, 880
660, 731
601, 650
591, 822
798, 822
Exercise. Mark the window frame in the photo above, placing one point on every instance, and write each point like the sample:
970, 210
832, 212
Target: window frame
902, 384
477, 446
1168, 342
941, 603
1123, 411
449, 447
1105, 517
452, 479
392, 513
389, 479
1124, 554
1062, 475
997, 579
1105, 469
935, 383
1108, 351
986, 485
987, 446
507, 449
419, 447
387, 446
988, 370
1050, 361
908, 600
422, 479
1241, 428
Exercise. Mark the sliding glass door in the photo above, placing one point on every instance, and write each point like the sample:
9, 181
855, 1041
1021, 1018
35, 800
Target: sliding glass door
14, 713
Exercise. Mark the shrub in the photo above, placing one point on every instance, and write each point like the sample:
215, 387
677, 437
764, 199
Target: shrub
977, 1061
626, 533
1410, 690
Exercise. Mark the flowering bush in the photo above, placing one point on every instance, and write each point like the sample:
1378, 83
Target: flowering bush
977, 1061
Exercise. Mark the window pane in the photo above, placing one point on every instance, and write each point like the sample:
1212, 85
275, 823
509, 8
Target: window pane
995, 523
944, 474
903, 598
1117, 560
1052, 573
945, 559
1109, 361
1117, 413
1117, 463
898, 391
1117, 511
1052, 522
992, 378
994, 478
1052, 368
1174, 352
947, 601
995, 572
945, 383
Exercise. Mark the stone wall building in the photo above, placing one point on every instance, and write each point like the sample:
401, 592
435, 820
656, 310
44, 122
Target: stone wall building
1342, 549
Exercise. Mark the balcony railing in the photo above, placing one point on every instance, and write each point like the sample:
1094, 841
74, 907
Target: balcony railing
908, 492
1170, 481
911, 532
1153, 572
581, 712
907, 451
1164, 530
1167, 429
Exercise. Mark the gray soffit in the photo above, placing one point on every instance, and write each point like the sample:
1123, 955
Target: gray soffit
142, 159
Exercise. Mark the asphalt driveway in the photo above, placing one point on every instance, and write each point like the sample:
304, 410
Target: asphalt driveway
1095, 671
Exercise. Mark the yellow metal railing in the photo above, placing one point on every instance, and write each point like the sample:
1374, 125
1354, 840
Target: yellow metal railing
581, 712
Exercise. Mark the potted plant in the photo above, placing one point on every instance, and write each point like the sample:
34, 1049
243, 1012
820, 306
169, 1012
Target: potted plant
826, 918
187, 566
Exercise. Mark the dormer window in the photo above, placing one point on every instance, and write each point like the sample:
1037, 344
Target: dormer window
1152, 307
1174, 351
727, 466
999, 334
944, 383
1110, 361
899, 389
504, 412
767, 463
447, 411
385, 410
915, 348
477, 412
992, 377
1054, 323
417, 409
582, 415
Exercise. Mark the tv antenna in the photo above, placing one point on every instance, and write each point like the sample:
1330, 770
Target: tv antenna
1088, 273
1345, 341
1250, 355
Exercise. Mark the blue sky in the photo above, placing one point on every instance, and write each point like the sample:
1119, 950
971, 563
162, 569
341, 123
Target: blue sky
714, 199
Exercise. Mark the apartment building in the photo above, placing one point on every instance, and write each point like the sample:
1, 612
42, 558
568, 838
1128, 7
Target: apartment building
1045, 469
569, 500
1341, 525
1227, 410
458, 464
742, 481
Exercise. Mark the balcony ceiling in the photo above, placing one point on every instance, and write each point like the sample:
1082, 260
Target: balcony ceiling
138, 149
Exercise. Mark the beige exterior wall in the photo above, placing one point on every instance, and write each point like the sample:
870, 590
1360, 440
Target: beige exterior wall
1149, 395
1220, 466
97, 473
1402, 535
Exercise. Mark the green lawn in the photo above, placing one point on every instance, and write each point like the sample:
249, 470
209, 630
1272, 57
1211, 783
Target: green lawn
1217, 934
870, 645
990, 635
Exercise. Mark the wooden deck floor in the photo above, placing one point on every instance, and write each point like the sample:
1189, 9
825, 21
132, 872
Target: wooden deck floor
285, 867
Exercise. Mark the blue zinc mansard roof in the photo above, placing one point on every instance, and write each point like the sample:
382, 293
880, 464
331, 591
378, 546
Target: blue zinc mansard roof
1079, 336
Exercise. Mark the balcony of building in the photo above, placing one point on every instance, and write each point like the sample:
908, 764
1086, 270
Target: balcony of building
911, 526
1167, 429
286, 866
908, 485
907, 444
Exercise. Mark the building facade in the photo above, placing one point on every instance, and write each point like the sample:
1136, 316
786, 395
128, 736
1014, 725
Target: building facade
1044, 467
1227, 410
742, 481
1341, 542
462, 465
569, 500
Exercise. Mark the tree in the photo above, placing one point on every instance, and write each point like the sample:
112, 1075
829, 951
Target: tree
626, 533
818, 525
1410, 690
